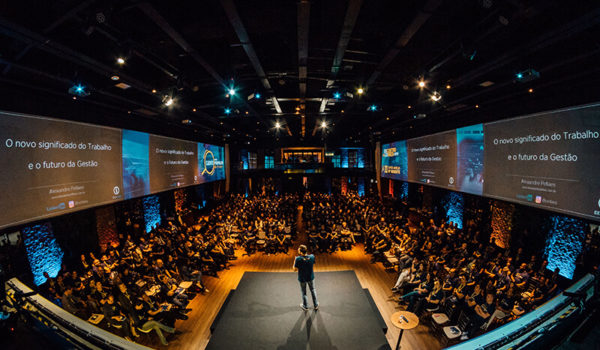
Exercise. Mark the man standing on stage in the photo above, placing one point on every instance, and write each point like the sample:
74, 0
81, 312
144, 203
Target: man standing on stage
304, 265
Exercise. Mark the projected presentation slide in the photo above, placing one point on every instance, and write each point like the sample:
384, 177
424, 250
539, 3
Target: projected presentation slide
469, 158
394, 161
211, 163
50, 167
550, 160
136, 164
432, 159
173, 163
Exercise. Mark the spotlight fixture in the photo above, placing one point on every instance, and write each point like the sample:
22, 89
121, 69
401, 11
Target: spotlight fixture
530, 90
79, 90
373, 108
115, 77
448, 87
277, 125
323, 124
360, 91
257, 95
476, 106
169, 102
421, 83
435, 96
153, 91
527, 75
121, 60
337, 95
228, 111
231, 92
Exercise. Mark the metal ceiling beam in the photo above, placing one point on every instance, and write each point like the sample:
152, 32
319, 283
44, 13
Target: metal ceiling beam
242, 34
349, 22
303, 27
72, 12
157, 18
404, 38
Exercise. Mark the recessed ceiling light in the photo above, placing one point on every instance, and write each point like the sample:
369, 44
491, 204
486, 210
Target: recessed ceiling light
120, 60
486, 83
123, 86
421, 84
153, 91
115, 77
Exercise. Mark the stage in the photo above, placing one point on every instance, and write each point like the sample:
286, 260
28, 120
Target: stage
264, 313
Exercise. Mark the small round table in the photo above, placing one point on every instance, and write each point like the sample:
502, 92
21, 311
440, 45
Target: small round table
404, 320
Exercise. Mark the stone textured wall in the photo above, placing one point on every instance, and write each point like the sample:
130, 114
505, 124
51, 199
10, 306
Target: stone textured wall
453, 204
151, 212
564, 243
43, 252
106, 227
502, 223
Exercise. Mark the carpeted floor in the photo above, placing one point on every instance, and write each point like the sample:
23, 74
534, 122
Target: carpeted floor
264, 313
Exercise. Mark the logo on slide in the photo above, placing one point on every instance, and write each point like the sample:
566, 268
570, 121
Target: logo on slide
451, 180
209, 157
116, 190
71, 204
538, 199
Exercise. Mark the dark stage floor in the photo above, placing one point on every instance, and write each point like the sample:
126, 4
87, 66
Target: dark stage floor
264, 313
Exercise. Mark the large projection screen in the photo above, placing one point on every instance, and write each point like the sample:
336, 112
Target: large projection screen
549, 160
49, 167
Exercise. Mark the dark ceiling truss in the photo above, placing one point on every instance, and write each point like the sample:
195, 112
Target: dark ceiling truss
32, 39
303, 30
552, 37
244, 38
349, 22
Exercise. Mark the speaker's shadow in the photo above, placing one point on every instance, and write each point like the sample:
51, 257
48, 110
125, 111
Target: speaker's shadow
309, 331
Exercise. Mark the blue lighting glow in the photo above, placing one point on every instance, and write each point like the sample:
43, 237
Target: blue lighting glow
43, 252
228, 111
361, 186
231, 92
151, 212
79, 88
519, 75
257, 95
337, 95
564, 244
453, 204
404, 191
373, 108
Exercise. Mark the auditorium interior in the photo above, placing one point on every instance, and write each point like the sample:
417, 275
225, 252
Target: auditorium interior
164, 165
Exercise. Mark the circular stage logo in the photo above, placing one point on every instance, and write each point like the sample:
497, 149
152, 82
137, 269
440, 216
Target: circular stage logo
116, 190
209, 159
451, 180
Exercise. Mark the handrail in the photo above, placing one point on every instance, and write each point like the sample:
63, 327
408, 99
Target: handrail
528, 323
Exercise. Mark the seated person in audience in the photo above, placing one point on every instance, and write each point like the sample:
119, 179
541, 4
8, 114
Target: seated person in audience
418, 293
115, 316
189, 274
146, 322
324, 241
249, 239
334, 239
435, 297
281, 242
483, 311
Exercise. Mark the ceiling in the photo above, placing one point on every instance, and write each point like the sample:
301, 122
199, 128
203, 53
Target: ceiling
296, 55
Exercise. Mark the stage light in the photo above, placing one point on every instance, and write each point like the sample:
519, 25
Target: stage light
476, 106
79, 90
323, 124
519, 75
360, 91
115, 77
448, 87
169, 102
337, 95
409, 107
121, 60
435, 97
194, 109
257, 95
530, 91
421, 84
231, 92
228, 111
277, 125
373, 108
153, 91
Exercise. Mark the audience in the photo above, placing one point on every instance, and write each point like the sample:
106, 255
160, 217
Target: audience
145, 282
